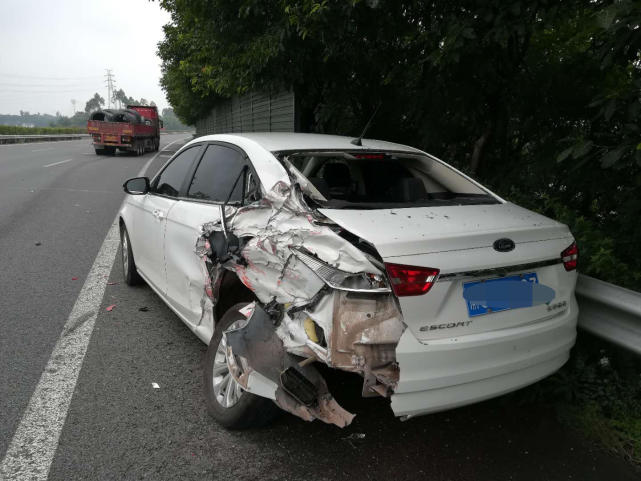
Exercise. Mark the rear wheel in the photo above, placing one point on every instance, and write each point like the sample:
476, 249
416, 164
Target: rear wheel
100, 151
132, 277
227, 402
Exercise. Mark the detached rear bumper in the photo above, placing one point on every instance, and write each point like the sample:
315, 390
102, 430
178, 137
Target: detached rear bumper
448, 373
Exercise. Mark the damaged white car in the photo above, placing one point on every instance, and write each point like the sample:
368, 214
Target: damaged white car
283, 251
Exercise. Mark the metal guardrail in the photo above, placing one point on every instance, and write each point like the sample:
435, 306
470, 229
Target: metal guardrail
610, 312
23, 139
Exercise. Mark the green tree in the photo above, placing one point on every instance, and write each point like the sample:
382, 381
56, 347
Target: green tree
171, 121
94, 103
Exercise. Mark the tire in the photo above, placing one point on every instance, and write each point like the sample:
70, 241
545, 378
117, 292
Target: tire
110, 151
247, 410
156, 145
132, 278
100, 151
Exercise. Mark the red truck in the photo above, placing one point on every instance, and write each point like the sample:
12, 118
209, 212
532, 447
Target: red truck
134, 129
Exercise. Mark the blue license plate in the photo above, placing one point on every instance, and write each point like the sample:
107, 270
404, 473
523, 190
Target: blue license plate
503, 294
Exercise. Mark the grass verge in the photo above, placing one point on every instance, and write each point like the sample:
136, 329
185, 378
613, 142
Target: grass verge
598, 392
15, 130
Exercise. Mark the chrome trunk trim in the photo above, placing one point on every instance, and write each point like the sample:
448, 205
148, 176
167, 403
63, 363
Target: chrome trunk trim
497, 271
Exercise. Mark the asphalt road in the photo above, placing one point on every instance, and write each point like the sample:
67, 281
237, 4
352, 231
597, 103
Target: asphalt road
54, 214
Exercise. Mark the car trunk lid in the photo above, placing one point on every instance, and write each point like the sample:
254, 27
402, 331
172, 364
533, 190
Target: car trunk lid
458, 240
420, 230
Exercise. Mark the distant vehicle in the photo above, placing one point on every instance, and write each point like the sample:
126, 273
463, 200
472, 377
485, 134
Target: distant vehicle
287, 251
134, 129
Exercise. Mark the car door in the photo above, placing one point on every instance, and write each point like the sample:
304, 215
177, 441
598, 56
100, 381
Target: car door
150, 218
217, 172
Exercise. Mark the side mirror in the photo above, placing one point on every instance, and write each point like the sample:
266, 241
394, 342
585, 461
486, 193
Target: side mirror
137, 186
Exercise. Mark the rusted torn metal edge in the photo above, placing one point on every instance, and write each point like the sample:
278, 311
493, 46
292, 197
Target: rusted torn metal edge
320, 298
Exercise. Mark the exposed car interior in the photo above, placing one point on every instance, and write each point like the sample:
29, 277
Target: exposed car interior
378, 180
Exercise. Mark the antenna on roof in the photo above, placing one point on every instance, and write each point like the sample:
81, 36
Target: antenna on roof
359, 140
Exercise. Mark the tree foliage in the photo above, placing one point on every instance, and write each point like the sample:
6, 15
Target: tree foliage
538, 99
171, 121
94, 103
120, 97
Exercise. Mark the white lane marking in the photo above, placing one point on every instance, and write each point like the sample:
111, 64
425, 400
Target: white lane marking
35, 441
58, 163
42, 150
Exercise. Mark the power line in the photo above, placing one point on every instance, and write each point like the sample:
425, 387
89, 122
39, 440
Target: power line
48, 85
87, 89
48, 78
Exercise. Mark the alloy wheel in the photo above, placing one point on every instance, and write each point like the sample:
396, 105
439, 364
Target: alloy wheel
226, 389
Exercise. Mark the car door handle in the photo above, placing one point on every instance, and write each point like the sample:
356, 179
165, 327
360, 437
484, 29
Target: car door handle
159, 214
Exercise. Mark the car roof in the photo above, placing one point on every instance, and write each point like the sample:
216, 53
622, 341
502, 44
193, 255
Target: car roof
289, 141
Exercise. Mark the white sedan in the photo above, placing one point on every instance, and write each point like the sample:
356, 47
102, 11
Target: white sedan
285, 251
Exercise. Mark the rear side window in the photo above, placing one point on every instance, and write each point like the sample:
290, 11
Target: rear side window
216, 174
173, 176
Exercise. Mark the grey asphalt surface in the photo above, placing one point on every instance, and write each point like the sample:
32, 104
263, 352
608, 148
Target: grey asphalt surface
52, 223
120, 427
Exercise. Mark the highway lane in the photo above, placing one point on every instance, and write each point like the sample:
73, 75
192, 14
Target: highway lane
57, 201
120, 427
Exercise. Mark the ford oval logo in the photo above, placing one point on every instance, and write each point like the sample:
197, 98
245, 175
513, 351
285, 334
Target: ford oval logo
504, 245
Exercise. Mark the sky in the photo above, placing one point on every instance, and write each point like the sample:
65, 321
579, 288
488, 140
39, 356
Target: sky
53, 51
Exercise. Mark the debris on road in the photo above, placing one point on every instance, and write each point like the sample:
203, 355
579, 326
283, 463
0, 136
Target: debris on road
155, 385
110, 308
144, 309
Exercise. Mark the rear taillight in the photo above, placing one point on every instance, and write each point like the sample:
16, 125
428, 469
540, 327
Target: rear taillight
410, 280
570, 257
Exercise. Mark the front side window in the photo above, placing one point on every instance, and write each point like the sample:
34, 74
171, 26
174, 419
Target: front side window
220, 168
173, 176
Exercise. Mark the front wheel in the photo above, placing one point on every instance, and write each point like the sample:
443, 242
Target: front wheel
227, 402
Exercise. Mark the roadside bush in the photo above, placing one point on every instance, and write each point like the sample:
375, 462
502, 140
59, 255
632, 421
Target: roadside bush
15, 130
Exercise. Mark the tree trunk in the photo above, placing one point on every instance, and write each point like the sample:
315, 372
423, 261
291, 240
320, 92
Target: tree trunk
479, 146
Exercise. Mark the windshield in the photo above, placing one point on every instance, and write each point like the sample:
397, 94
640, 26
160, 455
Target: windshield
378, 180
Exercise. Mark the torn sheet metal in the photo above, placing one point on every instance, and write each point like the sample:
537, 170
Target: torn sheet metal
332, 300
268, 229
302, 391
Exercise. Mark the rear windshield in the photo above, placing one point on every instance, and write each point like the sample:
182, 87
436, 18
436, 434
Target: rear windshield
377, 180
